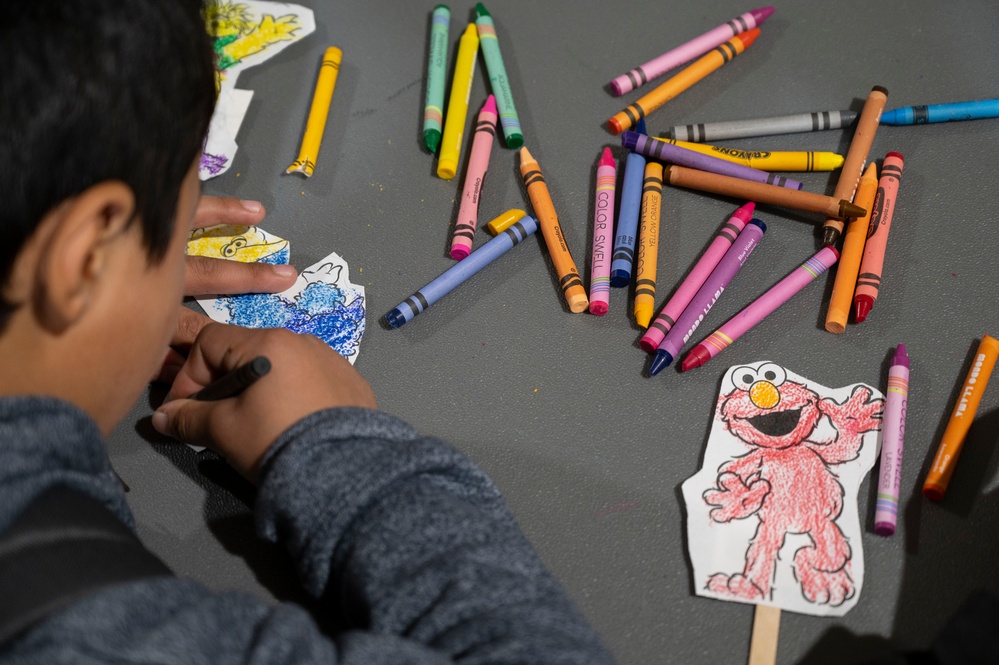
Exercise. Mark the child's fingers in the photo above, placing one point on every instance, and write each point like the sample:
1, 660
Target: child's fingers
208, 276
187, 420
189, 324
217, 350
214, 210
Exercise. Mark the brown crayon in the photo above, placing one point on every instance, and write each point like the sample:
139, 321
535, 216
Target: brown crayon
544, 210
760, 192
856, 157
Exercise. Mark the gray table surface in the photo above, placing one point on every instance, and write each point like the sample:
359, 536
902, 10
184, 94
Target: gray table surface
589, 451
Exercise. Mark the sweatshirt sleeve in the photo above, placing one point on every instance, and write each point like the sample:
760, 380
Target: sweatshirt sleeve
404, 536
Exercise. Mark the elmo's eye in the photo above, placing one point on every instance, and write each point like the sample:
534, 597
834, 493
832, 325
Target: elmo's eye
775, 374
744, 377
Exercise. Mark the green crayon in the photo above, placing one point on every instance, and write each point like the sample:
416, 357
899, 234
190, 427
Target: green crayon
512, 133
433, 112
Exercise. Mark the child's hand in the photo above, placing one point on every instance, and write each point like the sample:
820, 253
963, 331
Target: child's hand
306, 376
206, 276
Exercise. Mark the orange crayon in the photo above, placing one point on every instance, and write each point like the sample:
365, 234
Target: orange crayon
856, 157
648, 244
968, 400
544, 210
853, 252
651, 101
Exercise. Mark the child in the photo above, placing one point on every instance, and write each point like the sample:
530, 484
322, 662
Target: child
402, 540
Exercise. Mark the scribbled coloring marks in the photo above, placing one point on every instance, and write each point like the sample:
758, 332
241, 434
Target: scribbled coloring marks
772, 515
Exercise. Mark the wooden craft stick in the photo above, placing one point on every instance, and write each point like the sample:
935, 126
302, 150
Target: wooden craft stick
763, 645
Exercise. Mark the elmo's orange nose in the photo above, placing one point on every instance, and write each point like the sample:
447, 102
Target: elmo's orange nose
764, 395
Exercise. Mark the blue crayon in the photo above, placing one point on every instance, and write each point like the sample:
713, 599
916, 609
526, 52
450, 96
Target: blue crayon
461, 271
920, 115
627, 218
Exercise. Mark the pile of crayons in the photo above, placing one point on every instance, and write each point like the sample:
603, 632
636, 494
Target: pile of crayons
859, 212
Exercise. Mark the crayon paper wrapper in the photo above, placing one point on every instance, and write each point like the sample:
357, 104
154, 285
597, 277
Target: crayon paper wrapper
772, 515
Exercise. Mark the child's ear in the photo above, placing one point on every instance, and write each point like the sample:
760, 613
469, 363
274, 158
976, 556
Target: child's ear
78, 250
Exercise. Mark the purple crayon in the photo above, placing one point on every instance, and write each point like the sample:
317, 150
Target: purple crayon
892, 435
475, 176
760, 308
726, 235
686, 52
707, 295
674, 154
603, 234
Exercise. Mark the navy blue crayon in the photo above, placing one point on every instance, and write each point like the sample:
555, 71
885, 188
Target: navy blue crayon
627, 219
920, 115
459, 272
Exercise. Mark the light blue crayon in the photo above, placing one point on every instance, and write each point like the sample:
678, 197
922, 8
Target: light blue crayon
920, 115
627, 219
461, 271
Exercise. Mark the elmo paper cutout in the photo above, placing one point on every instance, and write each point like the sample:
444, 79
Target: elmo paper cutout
772, 515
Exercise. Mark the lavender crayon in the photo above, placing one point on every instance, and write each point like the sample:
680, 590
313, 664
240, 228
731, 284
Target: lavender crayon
892, 434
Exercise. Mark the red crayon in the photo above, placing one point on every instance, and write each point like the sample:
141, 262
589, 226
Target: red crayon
869, 278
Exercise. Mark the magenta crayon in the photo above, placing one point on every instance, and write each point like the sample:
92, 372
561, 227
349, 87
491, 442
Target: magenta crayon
869, 278
603, 234
892, 434
681, 298
707, 295
686, 52
760, 308
674, 154
475, 176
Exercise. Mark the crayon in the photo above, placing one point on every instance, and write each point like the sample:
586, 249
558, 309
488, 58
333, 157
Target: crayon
235, 382
773, 126
747, 190
603, 234
667, 152
920, 115
856, 157
892, 435
318, 113
696, 71
503, 221
686, 52
707, 295
457, 105
702, 269
869, 279
760, 308
841, 301
498, 82
627, 217
766, 160
475, 178
968, 400
461, 271
433, 109
648, 244
544, 209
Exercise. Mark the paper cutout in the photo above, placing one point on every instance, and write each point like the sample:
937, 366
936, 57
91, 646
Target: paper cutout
247, 244
323, 302
244, 33
772, 515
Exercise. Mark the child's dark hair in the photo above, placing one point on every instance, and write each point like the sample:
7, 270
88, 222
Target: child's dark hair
97, 90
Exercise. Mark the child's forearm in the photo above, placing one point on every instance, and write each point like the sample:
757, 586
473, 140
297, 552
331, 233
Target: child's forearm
407, 533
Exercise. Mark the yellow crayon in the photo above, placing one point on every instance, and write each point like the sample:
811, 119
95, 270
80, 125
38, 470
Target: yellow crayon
544, 210
504, 220
938, 478
853, 252
648, 244
766, 160
316, 125
457, 104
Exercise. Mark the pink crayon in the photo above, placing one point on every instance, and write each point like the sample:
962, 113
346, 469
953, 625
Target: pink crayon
760, 308
603, 234
684, 53
478, 164
716, 250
